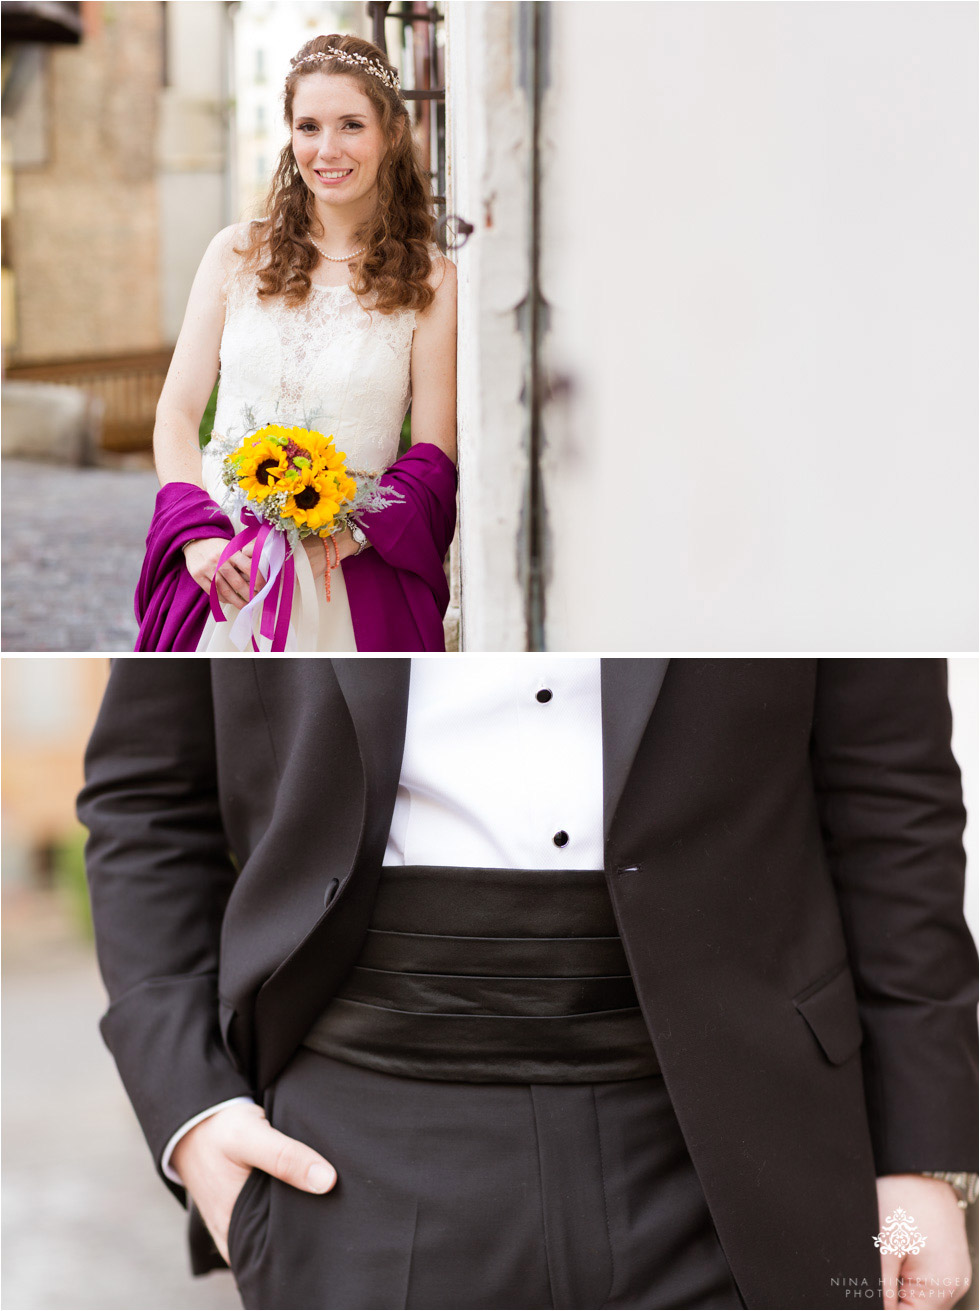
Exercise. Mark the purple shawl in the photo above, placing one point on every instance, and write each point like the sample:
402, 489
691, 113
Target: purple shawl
397, 589
171, 608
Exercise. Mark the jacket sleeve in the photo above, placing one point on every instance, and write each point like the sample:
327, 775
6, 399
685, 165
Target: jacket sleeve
159, 873
891, 808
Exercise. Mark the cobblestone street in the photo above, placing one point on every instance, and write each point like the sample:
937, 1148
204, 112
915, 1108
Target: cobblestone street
86, 1220
70, 587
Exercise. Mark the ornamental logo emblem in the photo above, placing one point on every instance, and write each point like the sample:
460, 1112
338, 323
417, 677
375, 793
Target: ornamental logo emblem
899, 1236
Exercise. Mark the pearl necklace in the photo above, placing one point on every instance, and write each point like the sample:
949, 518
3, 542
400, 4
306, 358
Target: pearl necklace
338, 259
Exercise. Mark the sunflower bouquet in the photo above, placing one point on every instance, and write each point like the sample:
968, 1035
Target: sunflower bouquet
295, 480
286, 483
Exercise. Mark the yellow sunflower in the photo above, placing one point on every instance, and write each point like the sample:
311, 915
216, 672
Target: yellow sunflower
322, 449
259, 464
314, 499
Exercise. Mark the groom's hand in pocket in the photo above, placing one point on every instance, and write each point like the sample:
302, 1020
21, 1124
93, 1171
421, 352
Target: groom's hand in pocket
202, 559
216, 1157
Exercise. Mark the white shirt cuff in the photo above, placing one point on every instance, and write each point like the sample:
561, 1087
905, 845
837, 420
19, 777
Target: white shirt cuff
165, 1166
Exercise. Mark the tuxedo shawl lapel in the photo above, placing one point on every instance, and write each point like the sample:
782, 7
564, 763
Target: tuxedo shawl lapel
376, 692
629, 693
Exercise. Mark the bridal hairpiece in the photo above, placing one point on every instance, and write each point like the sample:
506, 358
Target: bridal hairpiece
373, 66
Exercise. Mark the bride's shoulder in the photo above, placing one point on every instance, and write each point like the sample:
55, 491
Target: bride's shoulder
231, 243
225, 244
227, 253
442, 274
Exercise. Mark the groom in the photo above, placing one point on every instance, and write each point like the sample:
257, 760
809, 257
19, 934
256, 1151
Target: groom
781, 841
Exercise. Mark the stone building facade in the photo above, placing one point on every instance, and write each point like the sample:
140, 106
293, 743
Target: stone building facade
83, 226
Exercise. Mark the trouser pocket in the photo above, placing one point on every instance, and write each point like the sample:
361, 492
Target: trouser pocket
238, 1211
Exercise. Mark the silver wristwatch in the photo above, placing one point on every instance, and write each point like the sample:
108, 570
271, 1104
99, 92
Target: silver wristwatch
963, 1185
358, 536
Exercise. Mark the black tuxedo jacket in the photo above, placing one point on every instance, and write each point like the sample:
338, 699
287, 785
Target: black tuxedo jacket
783, 852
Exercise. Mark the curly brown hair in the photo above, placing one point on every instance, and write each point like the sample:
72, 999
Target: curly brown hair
397, 264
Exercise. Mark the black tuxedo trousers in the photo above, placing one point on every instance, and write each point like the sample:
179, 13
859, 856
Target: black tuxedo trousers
478, 1195
784, 857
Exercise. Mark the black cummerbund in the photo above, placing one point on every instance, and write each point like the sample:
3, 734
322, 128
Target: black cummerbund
490, 976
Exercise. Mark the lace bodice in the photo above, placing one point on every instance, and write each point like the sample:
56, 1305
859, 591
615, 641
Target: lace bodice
327, 364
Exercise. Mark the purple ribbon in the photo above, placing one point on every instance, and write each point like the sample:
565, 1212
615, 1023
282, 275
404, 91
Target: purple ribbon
271, 557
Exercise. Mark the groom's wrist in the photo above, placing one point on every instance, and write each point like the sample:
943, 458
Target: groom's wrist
165, 1161
962, 1182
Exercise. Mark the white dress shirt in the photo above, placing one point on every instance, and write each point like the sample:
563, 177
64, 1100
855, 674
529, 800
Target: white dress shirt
502, 753
502, 768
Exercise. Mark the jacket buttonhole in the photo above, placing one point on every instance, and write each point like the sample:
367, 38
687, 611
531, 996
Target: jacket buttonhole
629, 869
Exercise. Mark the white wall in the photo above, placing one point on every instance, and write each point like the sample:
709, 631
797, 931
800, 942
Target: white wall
488, 187
761, 250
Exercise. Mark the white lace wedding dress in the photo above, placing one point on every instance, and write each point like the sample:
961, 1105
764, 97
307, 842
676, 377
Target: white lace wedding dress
327, 364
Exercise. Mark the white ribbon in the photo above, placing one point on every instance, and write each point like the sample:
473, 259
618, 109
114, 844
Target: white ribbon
307, 614
271, 560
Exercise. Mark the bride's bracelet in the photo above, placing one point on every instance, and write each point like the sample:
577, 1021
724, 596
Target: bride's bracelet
331, 565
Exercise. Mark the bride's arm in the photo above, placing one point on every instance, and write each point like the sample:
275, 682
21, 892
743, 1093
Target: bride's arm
434, 364
193, 368
186, 391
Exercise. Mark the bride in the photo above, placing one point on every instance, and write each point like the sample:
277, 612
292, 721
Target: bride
331, 313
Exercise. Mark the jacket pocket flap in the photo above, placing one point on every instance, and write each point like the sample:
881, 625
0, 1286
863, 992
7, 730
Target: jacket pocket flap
830, 1009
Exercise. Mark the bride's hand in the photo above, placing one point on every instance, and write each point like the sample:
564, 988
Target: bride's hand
202, 558
345, 544
317, 552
